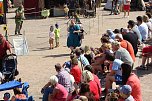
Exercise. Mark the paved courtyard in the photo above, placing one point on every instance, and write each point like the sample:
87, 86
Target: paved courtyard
38, 65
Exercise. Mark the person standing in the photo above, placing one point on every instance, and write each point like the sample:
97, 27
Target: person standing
57, 34
51, 37
19, 16
126, 7
73, 39
4, 46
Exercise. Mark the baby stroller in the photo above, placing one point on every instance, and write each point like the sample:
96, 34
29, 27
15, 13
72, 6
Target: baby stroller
9, 67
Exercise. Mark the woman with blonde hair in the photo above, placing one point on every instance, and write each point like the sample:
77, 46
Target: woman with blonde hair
149, 24
94, 89
59, 92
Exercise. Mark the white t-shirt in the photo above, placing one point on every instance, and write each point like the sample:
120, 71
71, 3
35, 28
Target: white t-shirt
143, 28
126, 2
136, 30
51, 35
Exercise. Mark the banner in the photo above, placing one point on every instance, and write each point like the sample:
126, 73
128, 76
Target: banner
20, 45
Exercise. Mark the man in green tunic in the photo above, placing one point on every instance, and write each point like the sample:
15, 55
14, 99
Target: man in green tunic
19, 19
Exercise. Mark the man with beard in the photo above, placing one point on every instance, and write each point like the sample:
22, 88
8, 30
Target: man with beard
4, 46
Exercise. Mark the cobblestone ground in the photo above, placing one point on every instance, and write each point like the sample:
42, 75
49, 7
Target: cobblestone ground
38, 65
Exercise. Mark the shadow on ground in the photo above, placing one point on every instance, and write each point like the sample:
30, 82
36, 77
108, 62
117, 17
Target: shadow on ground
57, 55
42, 49
142, 73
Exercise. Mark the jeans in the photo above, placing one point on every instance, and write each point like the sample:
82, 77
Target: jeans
46, 93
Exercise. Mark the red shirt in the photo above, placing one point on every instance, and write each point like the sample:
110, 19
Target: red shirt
94, 89
76, 72
134, 82
3, 48
96, 79
127, 45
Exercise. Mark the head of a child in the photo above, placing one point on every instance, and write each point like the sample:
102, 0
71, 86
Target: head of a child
51, 28
56, 25
6, 96
125, 91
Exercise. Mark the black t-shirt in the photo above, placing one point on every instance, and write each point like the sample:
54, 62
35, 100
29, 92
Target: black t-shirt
133, 39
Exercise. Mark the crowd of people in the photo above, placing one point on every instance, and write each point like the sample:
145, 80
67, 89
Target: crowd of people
78, 79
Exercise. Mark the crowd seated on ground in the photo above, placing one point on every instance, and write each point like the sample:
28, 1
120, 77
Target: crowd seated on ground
115, 58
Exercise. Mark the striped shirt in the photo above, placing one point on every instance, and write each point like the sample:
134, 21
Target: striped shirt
64, 79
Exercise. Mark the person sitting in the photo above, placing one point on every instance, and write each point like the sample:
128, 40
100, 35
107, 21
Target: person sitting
132, 38
59, 92
85, 91
133, 27
18, 95
81, 58
63, 79
121, 53
149, 25
125, 93
125, 44
129, 78
94, 89
96, 79
76, 71
89, 54
142, 28
99, 59
115, 75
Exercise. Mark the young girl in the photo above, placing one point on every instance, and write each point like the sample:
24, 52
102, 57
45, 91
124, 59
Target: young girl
51, 37
126, 7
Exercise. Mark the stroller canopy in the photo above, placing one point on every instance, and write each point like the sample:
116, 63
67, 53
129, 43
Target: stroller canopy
10, 85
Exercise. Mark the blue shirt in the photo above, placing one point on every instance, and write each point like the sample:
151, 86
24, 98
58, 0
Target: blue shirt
83, 60
117, 66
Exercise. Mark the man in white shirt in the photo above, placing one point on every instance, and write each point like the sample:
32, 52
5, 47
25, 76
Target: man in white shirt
142, 28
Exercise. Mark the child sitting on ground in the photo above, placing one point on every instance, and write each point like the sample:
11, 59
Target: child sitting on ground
57, 34
51, 37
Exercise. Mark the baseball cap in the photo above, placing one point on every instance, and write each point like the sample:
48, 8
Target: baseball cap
126, 89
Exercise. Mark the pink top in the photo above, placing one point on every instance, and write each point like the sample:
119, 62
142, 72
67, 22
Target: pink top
96, 79
134, 82
61, 94
94, 89
76, 72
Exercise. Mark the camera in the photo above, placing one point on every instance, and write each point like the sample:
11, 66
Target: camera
113, 94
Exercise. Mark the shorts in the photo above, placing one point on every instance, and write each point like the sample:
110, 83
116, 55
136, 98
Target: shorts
147, 49
126, 7
51, 41
118, 79
57, 39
